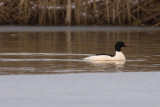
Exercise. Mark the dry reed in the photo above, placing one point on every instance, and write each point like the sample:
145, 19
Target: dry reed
80, 12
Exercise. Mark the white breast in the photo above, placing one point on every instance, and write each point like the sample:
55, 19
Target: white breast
119, 56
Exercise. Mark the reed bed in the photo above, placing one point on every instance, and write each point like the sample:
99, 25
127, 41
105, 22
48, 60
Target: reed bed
80, 12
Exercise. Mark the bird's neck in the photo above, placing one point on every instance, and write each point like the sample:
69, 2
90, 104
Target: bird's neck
118, 48
119, 55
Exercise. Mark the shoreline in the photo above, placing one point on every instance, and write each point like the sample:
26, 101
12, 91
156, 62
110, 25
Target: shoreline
74, 28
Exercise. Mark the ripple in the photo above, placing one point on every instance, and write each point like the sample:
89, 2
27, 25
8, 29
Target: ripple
156, 55
18, 69
45, 54
136, 60
39, 60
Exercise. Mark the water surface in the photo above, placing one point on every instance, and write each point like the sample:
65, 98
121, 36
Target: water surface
63, 51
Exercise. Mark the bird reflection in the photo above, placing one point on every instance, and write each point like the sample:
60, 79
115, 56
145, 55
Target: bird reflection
108, 65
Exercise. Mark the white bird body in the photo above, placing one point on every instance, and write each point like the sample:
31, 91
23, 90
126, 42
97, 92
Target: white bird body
119, 56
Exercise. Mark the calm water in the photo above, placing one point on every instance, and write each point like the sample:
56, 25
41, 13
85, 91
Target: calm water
63, 51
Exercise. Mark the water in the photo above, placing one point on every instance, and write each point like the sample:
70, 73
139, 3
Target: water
63, 51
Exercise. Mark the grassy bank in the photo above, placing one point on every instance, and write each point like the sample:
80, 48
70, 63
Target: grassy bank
80, 12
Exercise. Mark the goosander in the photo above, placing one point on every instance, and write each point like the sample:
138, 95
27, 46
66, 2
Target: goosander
119, 56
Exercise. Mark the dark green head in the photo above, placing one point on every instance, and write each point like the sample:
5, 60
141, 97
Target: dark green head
119, 45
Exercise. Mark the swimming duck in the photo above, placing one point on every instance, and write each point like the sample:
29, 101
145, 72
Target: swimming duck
119, 56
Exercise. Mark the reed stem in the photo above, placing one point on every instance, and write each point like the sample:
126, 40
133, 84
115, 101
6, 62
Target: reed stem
80, 12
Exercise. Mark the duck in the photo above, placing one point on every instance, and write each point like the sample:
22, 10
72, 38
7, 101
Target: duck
119, 56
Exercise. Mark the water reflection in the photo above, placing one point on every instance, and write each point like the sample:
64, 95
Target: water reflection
102, 65
64, 42
62, 52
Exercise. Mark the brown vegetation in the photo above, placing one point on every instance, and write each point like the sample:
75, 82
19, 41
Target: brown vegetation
80, 12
